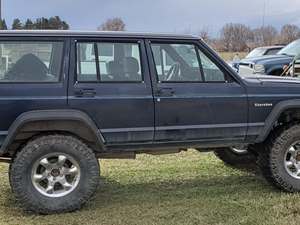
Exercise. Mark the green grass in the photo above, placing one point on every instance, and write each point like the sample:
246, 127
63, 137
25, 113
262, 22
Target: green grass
186, 188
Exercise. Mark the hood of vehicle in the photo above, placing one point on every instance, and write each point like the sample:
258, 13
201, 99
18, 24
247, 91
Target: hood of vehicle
267, 59
271, 79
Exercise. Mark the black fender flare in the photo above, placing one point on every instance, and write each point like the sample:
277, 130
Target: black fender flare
49, 116
274, 115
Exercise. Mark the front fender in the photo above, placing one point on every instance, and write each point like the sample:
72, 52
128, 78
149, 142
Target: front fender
274, 115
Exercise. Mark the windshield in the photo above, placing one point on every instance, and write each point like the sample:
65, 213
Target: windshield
255, 53
291, 49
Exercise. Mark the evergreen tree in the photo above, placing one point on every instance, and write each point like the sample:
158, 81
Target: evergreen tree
45, 23
55, 23
41, 24
29, 25
3, 25
17, 25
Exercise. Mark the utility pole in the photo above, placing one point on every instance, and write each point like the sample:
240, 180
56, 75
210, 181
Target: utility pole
0, 9
1, 50
264, 13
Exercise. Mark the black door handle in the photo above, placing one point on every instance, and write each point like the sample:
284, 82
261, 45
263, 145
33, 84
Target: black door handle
85, 93
165, 92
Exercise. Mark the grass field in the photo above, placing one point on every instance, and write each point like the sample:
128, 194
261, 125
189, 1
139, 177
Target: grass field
228, 56
185, 188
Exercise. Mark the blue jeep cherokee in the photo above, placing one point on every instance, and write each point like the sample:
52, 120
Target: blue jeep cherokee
68, 98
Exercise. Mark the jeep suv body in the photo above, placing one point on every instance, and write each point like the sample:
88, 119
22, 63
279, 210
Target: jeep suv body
68, 98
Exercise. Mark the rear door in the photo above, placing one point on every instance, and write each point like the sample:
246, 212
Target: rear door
109, 80
195, 97
31, 76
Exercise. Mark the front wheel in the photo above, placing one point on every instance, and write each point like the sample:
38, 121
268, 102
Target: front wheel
280, 160
237, 157
54, 174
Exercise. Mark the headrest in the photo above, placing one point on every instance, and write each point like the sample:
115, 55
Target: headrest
131, 65
113, 67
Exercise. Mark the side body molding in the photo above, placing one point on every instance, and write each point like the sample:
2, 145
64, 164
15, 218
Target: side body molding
53, 119
274, 115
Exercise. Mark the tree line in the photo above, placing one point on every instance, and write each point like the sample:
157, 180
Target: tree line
239, 37
233, 37
52, 23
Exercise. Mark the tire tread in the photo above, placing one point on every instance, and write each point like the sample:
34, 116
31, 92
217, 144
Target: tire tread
15, 173
266, 157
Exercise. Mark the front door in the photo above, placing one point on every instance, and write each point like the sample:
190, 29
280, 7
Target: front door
111, 83
195, 98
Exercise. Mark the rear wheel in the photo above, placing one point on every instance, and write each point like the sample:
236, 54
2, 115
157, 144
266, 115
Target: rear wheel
237, 157
54, 174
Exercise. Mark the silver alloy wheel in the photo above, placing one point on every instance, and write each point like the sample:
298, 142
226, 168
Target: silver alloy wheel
55, 175
292, 160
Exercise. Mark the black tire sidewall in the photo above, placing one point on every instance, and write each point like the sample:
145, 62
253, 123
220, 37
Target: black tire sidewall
22, 168
277, 158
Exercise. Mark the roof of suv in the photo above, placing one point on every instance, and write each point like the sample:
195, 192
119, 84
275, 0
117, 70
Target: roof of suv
63, 33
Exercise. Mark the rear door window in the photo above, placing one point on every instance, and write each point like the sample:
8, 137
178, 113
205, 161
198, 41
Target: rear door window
28, 61
108, 62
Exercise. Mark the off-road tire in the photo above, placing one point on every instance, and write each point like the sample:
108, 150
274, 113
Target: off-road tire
30, 198
271, 159
244, 161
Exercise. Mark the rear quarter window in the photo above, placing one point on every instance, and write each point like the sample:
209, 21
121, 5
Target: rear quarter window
30, 61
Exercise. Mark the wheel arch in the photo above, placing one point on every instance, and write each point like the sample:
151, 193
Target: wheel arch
279, 112
75, 122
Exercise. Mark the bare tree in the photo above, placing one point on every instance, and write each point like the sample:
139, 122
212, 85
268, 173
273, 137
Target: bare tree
265, 36
235, 37
204, 34
289, 33
114, 24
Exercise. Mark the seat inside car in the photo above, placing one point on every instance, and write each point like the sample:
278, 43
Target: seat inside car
114, 70
28, 67
131, 68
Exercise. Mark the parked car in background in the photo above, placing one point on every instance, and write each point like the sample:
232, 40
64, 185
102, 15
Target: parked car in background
267, 50
270, 64
257, 52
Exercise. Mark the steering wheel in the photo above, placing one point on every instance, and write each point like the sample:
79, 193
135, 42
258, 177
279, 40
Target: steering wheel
173, 72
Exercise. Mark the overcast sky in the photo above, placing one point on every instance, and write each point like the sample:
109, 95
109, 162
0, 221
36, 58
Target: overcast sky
158, 15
